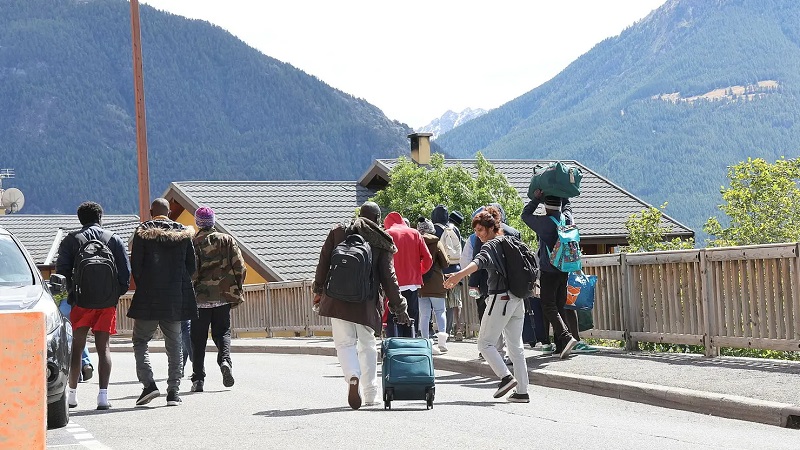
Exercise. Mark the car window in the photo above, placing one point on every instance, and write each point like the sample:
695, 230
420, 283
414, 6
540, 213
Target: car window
14, 268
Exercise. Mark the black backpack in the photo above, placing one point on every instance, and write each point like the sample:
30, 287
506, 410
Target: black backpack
350, 273
94, 273
522, 267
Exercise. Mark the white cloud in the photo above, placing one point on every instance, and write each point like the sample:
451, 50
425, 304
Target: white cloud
416, 59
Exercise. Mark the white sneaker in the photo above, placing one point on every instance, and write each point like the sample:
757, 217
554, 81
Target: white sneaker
370, 399
72, 398
435, 348
442, 342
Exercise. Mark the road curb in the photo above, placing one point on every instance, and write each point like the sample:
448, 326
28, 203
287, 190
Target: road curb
702, 402
721, 405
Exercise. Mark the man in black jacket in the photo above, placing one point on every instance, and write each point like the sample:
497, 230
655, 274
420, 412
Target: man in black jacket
101, 320
162, 262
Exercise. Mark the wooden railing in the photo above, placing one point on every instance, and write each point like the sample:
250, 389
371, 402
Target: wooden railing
740, 297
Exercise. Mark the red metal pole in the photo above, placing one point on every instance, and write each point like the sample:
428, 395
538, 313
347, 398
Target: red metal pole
141, 124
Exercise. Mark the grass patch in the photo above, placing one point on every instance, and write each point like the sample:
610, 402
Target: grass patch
700, 350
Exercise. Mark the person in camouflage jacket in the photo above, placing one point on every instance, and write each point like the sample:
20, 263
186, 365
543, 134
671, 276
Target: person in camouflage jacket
218, 285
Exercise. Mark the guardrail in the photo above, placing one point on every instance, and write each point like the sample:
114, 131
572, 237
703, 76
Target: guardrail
740, 297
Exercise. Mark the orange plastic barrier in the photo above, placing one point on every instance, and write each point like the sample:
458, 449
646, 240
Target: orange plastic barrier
23, 359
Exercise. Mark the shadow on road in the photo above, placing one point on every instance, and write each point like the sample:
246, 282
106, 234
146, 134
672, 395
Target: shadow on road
302, 412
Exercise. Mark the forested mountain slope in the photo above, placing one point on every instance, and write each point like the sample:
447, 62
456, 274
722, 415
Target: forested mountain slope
663, 108
217, 109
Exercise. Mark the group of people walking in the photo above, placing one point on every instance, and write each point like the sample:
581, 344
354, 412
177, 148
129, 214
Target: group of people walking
407, 275
180, 276
416, 272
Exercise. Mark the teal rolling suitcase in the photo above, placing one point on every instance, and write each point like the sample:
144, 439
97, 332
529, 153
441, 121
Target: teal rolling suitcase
407, 370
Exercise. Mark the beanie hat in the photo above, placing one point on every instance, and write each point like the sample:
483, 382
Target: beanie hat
425, 226
552, 203
204, 217
457, 218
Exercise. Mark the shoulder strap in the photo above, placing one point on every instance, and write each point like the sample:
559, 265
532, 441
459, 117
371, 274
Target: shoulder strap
105, 237
559, 223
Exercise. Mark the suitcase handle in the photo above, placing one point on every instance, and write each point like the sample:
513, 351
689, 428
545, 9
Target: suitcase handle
410, 323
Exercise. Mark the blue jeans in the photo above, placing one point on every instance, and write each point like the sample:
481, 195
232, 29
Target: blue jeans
437, 305
65, 309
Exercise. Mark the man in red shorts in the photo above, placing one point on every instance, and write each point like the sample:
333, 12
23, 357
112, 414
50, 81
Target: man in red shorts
95, 264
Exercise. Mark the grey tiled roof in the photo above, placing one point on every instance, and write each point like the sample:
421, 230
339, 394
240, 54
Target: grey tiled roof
600, 211
38, 232
283, 224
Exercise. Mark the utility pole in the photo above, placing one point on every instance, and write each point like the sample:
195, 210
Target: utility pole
141, 124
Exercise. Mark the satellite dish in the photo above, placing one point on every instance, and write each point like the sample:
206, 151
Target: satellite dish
12, 199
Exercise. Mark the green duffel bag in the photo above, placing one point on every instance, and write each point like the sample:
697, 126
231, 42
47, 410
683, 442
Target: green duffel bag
557, 179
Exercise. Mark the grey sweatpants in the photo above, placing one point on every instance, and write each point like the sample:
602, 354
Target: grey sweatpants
143, 331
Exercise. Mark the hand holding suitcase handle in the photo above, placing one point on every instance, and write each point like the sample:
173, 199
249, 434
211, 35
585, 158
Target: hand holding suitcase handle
402, 318
410, 322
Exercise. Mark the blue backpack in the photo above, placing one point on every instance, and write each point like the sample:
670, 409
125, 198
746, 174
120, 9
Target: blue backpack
566, 254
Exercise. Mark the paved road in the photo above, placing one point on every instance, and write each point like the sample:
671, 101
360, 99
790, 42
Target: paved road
299, 401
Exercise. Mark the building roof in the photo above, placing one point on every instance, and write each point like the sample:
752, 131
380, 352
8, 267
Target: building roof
600, 211
42, 233
280, 226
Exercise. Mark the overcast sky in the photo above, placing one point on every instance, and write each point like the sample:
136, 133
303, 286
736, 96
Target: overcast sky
416, 59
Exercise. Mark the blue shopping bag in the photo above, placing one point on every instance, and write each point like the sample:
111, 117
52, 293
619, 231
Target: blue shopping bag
580, 290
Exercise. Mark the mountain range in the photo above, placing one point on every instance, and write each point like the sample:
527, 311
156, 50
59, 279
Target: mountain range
450, 120
661, 109
665, 107
216, 108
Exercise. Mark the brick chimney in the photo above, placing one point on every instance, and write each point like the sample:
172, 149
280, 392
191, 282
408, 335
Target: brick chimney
421, 147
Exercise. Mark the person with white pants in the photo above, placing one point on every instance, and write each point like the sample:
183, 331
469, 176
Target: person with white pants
356, 349
504, 314
354, 323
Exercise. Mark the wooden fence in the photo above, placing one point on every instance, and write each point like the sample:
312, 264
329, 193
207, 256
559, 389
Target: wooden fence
740, 297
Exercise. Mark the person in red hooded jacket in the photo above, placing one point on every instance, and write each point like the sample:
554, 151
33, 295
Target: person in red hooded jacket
411, 261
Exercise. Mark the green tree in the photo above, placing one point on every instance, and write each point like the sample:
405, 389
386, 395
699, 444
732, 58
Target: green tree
646, 233
762, 204
414, 190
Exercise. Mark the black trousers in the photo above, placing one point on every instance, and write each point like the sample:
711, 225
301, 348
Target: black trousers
219, 318
553, 297
412, 300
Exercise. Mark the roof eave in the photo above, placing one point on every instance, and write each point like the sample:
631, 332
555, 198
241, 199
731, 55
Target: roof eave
174, 192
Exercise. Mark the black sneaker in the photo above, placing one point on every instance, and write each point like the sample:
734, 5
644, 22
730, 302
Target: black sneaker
148, 394
519, 398
86, 372
227, 374
506, 384
173, 399
197, 386
353, 395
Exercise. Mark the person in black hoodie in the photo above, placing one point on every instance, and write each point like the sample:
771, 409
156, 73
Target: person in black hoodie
162, 264
553, 282
443, 221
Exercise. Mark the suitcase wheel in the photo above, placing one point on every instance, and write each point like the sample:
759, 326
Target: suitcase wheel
429, 394
388, 396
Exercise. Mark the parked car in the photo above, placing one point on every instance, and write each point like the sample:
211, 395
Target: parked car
22, 288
